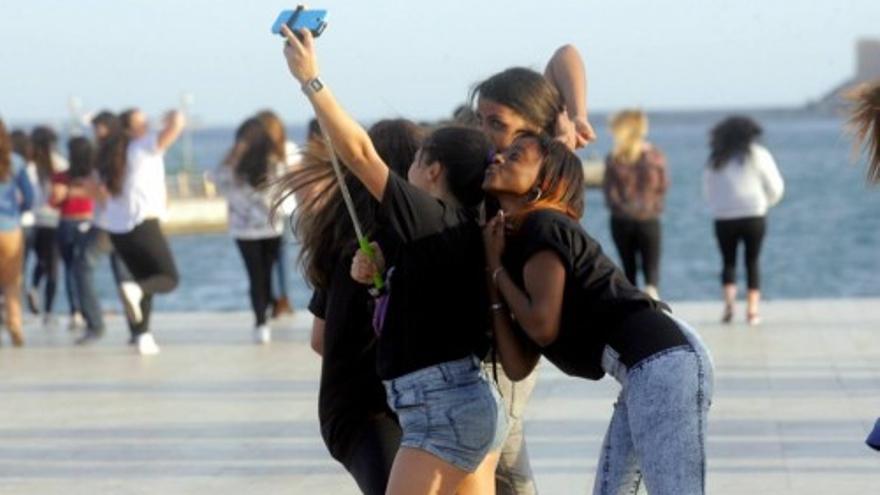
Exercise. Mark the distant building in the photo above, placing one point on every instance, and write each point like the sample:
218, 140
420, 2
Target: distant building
867, 69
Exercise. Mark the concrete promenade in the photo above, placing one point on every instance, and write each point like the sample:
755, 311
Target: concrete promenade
215, 414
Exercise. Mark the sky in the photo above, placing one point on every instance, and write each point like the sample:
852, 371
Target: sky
418, 59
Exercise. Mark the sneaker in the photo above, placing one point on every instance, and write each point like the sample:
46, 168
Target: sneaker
50, 320
262, 334
146, 345
33, 301
132, 294
88, 338
75, 322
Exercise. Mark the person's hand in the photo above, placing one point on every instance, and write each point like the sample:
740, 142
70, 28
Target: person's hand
301, 58
174, 119
494, 241
583, 131
363, 268
565, 130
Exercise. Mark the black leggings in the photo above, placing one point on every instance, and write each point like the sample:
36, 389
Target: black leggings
729, 234
638, 239
48, 255
372, 458
259, 257
146, 254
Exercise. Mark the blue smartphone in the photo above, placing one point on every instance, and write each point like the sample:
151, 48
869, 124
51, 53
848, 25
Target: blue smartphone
313, 20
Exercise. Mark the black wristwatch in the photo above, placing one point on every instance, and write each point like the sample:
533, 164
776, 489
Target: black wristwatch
313, 85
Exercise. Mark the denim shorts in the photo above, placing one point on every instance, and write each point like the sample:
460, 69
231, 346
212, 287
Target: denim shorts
451, 410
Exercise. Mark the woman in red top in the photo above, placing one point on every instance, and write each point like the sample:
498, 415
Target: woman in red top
75, 232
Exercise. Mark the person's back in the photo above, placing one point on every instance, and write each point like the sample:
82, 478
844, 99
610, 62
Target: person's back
746, 186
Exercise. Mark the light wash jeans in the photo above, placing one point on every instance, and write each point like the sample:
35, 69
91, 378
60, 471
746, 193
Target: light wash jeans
658, 429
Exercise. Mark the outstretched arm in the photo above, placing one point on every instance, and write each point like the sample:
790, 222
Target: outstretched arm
566, 71
349, 139
171, 130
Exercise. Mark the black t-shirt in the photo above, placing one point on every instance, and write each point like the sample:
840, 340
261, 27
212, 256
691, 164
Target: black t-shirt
438, 305
351, 393
600, 307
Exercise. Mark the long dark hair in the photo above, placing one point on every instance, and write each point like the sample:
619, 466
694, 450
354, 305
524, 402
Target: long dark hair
525, 91
864, 120
107, 120
112, 154
5, 153
731, 139
253, 165
81, 154
275, 128
560, 180
464, 153
321, 222
43, 141
21, 144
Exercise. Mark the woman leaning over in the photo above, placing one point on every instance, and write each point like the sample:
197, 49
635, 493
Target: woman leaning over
572, 305
359, 429
428, 354
635, 186
16, 195
740, 182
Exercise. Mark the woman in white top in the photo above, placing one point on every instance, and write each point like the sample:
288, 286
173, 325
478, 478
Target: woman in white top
741, 182
244, 178
48, 162
134, 177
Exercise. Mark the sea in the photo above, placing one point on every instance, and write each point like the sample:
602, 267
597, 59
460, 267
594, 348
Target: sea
823, 239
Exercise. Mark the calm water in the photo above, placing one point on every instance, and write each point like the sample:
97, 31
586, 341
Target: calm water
823, 239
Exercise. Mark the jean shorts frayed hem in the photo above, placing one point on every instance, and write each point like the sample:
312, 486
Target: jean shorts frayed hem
451, 411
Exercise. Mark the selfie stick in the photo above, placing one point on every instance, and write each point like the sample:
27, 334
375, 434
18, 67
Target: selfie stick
363, 242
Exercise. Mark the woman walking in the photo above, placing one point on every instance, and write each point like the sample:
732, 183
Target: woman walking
46, 217
556, 294
16, 195
358, 427
740, 182
134, 178
244, 178
428, 356
76, 233
635, 187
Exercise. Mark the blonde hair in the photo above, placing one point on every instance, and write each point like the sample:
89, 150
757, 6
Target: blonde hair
864, 121
628, 129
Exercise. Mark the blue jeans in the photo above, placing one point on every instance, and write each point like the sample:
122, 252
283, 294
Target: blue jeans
451, 410
658, 429
75, 240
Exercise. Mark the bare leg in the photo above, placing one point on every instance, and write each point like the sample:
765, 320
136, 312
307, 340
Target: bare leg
416, 472
481, 481
753, 300
729, 300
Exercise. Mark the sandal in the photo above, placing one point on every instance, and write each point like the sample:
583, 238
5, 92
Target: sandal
754, 319
727, 316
